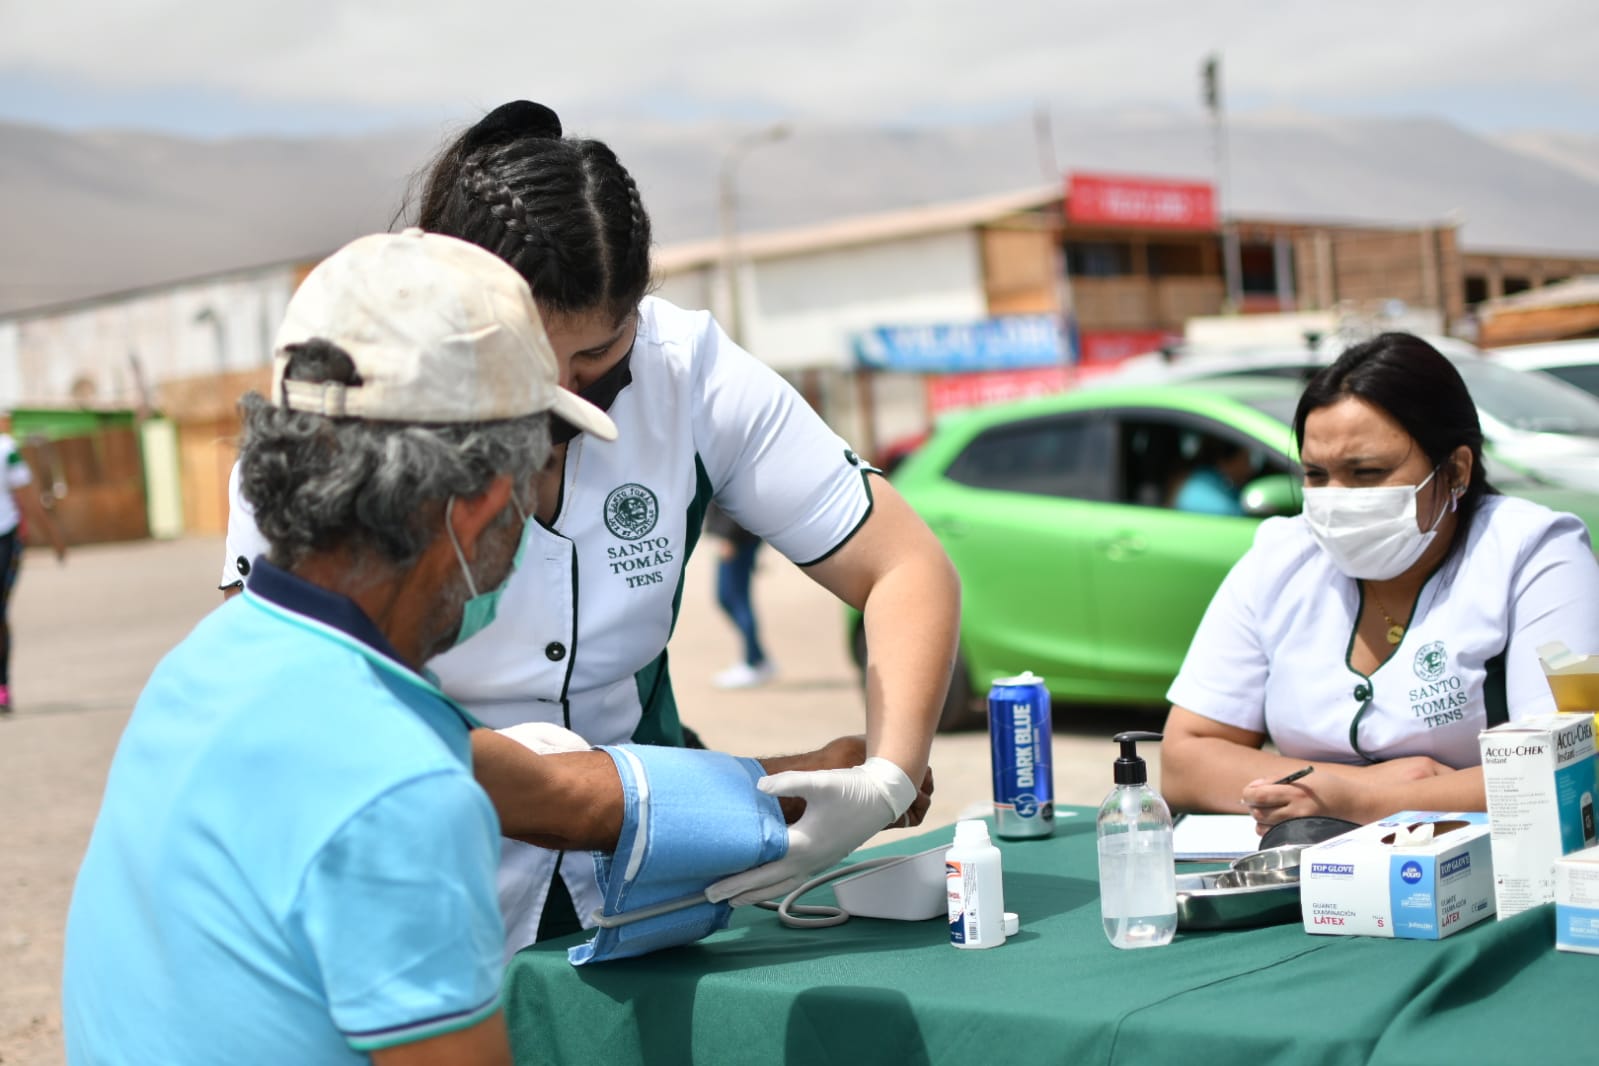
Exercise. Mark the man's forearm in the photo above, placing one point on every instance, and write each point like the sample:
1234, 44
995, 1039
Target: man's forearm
567, 800
834, 755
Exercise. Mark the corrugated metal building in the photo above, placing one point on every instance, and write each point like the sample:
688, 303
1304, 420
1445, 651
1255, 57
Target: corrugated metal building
188, 350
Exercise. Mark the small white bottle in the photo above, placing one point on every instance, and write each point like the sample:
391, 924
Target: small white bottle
976, 888
1137, 870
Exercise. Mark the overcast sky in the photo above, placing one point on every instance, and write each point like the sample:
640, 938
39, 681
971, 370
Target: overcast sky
238, 67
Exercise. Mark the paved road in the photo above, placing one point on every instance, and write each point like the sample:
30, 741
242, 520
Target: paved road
89, 632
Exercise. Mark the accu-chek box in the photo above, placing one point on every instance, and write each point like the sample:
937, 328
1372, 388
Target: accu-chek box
1364, 883
1539, 777
1577, 902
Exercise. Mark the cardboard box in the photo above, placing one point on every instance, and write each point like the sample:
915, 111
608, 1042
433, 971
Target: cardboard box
1364, 884
1577, 902
1539, 776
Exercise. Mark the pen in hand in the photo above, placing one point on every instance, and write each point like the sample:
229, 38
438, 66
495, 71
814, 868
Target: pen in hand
1290, 779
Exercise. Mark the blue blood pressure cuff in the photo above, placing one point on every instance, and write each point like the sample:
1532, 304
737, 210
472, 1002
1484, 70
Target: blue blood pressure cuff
690, 819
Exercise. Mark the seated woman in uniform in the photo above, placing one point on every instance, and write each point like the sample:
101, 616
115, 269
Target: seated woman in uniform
1375, 634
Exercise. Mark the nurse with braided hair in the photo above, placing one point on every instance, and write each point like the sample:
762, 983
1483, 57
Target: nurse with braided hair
580, 635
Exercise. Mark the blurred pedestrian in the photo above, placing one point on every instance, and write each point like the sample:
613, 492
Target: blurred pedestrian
736, 548
20, 504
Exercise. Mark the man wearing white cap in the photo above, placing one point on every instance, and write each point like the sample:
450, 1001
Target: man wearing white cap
293, 862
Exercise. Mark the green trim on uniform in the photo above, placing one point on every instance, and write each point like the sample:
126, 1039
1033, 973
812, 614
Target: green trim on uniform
871, 502
1365, 682
1496, 700
559, 916
571, 652
704, 492
1354, 725
658, 720
13, 458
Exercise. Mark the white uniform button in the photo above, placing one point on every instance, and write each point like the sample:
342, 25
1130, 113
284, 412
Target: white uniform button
555, 651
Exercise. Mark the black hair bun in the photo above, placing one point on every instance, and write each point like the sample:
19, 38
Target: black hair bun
513, 121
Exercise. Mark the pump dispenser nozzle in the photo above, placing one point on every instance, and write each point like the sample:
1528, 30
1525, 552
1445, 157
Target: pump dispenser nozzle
1137, 870
1130, 769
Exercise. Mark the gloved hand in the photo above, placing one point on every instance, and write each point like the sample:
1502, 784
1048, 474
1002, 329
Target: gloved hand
842, 809
545, 738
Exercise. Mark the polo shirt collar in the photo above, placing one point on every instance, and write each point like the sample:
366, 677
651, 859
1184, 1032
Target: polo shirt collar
333, 609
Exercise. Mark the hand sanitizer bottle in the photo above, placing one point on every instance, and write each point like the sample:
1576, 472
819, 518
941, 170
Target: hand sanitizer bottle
1137, 871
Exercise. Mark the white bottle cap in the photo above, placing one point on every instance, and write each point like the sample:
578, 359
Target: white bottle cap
1013, 922
972, 831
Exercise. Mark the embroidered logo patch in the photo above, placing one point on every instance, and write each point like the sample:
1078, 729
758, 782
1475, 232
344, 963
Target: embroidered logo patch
631, 511
1431, 661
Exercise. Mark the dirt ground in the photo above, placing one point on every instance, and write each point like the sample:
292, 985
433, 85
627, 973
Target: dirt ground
88, 633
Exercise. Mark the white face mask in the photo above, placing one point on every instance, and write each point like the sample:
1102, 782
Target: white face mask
1369, 533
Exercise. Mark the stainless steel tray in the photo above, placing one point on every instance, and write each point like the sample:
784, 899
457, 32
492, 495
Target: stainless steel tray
1202, 905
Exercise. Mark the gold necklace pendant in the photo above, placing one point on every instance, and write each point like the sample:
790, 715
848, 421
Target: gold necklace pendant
1396, 631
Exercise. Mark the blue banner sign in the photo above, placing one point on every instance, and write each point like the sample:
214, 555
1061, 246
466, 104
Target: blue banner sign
1011, 342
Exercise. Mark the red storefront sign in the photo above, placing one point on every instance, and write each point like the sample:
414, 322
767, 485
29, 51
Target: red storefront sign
1110, 346
1111, 200
948, 392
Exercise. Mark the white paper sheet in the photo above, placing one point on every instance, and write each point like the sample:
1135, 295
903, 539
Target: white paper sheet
1215, 836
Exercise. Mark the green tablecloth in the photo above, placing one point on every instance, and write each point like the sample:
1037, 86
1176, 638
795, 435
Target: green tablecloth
896, 992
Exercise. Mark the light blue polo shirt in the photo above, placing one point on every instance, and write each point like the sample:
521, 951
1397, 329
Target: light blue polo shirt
292, 862
1207, 491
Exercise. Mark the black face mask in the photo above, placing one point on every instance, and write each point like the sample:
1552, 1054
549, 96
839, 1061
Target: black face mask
601, 392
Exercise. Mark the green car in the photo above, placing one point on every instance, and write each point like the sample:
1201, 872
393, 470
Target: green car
1057, 513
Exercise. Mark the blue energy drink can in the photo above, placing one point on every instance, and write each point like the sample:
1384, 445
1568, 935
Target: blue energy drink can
1019, 734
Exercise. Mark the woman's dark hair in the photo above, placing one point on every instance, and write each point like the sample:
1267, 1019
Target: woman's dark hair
1417, 387
562, 211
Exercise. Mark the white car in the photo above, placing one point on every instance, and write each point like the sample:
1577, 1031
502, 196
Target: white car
1536, 425
1574, 362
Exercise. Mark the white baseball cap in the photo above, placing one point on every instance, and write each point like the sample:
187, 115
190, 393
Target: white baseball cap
439, 330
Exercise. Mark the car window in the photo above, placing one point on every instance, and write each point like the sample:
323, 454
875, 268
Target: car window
1281, 408
1066, 456
1529, 401
1516, 398
1585, 377
1160, 451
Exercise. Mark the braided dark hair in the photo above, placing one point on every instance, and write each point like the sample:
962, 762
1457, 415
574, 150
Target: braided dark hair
563, 211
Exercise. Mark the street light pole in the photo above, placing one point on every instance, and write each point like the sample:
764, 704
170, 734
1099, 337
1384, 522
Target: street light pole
727, 212
1232, 271
208, 316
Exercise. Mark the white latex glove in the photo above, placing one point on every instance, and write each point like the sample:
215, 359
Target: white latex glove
545, 738
842, 809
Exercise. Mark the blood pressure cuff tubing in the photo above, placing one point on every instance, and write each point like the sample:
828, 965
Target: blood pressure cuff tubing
690, 819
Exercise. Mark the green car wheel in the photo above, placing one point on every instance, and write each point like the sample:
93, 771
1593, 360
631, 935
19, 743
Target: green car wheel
959, 712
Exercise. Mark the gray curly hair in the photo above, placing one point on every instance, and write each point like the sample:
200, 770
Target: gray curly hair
377, 489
